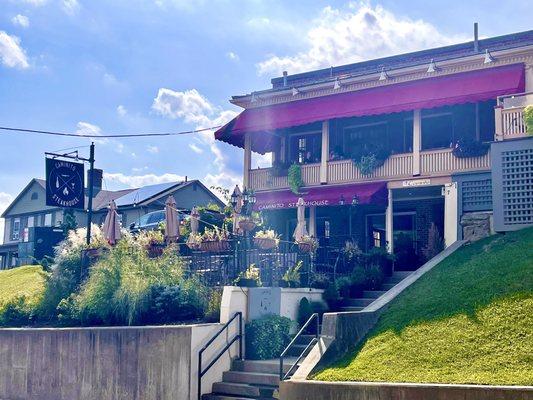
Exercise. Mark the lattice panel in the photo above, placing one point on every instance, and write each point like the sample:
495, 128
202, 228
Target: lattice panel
477, 195
517, 186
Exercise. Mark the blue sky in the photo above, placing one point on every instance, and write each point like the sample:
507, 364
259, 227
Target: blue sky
170, 65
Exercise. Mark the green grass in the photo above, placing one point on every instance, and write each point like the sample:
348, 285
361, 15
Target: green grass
27, 281
469, 320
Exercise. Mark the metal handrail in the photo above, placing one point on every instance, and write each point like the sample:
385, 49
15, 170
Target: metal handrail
282, 376
239, 337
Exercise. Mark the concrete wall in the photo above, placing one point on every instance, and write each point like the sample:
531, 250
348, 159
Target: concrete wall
107, 363
378, 391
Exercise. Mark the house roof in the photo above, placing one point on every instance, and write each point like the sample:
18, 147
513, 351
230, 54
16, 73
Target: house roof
145, 193
438, 54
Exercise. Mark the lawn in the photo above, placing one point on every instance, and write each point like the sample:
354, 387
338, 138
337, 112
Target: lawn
469, 320
26, 281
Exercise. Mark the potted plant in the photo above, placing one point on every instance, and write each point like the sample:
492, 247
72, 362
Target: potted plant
319, 281
247, 224
266, 239
292, 276
249, 278
307, 244
155, 248
215, 240
193, 241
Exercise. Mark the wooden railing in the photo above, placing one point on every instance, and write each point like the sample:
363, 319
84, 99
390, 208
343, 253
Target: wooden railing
397, 166
513, 124
443, 161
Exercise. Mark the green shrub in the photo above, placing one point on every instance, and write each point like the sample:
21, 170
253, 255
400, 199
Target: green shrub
16, 312
528, 119
319, 281
358, 282
379, 256
343, 285
304, 311
267, 337
374, 277
294, 178
331, 296
212, 313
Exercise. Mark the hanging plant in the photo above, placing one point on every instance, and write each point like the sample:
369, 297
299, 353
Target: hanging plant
295, 178
369, 157
467, 147
528, 119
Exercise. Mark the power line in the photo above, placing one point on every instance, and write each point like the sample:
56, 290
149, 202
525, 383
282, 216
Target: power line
123, 135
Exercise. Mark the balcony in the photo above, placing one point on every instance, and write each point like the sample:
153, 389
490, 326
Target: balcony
510, 122
398, 166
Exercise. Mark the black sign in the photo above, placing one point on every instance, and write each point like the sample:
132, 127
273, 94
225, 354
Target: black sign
64, 184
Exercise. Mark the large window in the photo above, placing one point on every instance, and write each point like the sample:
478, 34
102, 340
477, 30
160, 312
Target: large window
437, 130
363, 136
15, 232
305, 148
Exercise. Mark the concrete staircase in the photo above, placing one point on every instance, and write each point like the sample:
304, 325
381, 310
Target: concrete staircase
255, 379
369, 296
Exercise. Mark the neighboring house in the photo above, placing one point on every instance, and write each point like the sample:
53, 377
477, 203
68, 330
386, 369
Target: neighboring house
29, 209
408, 112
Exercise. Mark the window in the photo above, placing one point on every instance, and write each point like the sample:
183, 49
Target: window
31, 221
364, 136
437, 131
305, 148
48, 219
15, 232
34, 196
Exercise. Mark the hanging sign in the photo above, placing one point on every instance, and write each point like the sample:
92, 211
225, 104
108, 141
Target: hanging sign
65, 184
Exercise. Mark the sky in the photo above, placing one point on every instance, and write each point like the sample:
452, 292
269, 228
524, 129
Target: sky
132, 66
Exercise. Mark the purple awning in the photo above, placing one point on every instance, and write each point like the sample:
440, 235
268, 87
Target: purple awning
366, 193
460, 88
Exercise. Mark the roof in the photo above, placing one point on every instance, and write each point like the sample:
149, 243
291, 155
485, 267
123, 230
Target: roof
505, 42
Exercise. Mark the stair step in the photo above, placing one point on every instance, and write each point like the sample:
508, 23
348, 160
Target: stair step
360, 302
297, 350
254, 378
243, 389
351, 309
388, 286
305, 339
405, 274
262, 366
373, 294
212, 396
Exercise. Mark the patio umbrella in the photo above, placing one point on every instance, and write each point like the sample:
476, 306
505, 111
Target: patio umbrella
301, 228
172, 231
194, 221
111, 224
238, 209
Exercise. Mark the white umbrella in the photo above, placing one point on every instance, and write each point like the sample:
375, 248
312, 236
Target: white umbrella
238, 208
172, 230
111, 224
301, 229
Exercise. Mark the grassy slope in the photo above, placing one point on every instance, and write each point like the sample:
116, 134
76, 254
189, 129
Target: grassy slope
469, 320
27, 281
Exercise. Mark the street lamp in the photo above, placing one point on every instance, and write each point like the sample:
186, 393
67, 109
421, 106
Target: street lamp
355, 200
341, 200
234, 199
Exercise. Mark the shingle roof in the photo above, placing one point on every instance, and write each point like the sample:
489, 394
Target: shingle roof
140, 195
438, 54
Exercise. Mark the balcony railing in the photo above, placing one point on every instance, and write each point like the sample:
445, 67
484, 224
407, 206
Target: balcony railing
398, 166
510, 122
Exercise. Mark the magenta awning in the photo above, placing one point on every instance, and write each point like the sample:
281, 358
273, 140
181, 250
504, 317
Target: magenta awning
460, 88
366, 193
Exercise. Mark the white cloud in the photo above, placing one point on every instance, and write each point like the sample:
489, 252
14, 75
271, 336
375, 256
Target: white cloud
195, 148
223, 179
232, 56
34, 2
70, 7
121, 110
142, 180
152, 149
21, 20
5, 200
11, 54
189, 105
359, 33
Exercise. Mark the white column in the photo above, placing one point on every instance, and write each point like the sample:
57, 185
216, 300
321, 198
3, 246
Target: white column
389, 224
312, 221
247, 160
417, 141
498, 129
325, 153
529, 78
451, 215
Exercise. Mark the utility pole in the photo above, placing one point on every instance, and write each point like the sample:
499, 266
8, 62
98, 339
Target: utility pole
90, 194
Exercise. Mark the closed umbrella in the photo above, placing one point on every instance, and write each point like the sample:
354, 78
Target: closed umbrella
301, 229
238, 209
172, 230
111, 224
195, 216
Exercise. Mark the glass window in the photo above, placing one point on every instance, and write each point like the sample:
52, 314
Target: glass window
305, 148
15, 232
437, 131
31, 221
48, 219
156, 217
34, 196
360, 137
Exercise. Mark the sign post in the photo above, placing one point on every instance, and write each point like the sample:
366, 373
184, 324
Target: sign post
90, 194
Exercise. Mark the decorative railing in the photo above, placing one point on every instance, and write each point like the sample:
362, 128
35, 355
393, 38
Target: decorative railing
513, 124
433, 162
261, 179
396, 166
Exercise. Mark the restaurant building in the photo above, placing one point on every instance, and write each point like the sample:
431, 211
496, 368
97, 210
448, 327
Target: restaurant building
386, 148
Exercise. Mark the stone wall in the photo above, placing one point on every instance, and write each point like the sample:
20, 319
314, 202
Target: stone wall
476, 225
106, 363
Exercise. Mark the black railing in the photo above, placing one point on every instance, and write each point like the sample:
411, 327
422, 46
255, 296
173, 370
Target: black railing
282, 375
239, 337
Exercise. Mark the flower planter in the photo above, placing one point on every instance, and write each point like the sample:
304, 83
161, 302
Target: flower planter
155, 250
245, 282
266, 243
247, 225
193, 245
305, 247
215, 246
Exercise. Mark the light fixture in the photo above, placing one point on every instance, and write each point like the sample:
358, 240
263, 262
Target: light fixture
432, 67
295, 91
253, 98
488, 57
252, 198
337, 84
383, 75
234, 197
245, 197
355, 200
341, 200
